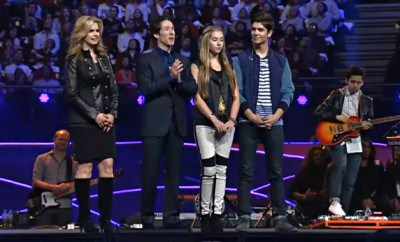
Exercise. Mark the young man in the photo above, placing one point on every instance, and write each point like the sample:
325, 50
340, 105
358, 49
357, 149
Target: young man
266, 91
53, 173
164, 78
338, 107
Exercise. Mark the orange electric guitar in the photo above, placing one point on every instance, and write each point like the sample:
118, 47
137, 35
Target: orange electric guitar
332, 134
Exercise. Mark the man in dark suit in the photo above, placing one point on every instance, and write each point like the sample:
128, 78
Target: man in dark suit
164, 78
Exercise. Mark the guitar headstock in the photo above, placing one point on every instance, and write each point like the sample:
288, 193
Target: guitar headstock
118, 173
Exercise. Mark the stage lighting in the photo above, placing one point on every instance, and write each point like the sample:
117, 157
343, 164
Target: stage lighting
141, 100
302, 100
192, 102
44, 97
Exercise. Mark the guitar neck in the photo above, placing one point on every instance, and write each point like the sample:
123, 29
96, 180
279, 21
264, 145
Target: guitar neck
72, 189
386, 119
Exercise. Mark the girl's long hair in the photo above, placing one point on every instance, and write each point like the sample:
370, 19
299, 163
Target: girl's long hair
205, 63
309, 164
81, 30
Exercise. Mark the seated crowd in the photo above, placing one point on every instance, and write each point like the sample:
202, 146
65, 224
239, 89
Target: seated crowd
34, 35
374, 189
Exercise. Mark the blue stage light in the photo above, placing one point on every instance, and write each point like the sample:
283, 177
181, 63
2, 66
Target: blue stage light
44, 97
302, 100
192, 102
141, 100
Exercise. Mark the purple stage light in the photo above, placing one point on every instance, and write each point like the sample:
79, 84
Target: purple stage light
140, 142
302, 100
192, 102
259, 194
139, 190
141, 100
267, 185
15, 183
44, 97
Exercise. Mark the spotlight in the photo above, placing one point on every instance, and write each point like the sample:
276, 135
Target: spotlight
44, 97
141, 100
302, 100
192, 102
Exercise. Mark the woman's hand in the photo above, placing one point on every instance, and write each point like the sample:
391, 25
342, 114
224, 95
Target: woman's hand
101, 120
219, 126
229, 126
105, 121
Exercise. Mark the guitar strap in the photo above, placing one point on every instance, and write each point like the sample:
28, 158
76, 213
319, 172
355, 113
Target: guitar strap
69, 168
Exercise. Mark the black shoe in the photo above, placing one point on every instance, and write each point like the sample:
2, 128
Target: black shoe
205, 224
216, 224
147, 225
177, 225
88, 227
243, 223
106, 227
282, 225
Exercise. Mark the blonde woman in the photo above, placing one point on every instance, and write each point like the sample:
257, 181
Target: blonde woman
93, 93
217, 106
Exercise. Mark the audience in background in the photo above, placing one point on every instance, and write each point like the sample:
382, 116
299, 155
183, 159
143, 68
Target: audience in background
309, 186
390, 195
366, 188
34, 27
126, 75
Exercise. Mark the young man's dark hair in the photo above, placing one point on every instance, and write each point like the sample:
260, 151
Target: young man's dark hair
155, 26
265, 19
355, 71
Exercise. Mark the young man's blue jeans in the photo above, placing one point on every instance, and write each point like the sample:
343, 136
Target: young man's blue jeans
272, 139
344, 175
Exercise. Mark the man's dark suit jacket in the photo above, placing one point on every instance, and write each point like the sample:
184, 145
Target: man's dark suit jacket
163, 98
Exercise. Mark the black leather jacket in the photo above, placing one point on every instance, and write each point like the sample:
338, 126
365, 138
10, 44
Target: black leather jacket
333, 105
91, 89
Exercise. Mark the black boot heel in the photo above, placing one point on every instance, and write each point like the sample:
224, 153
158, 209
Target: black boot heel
88, 227
106, 227
205, 224
216, 224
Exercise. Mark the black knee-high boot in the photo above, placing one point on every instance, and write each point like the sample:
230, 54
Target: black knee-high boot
82, 190
106, 188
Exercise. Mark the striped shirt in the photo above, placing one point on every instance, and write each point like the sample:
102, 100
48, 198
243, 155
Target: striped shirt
264, 103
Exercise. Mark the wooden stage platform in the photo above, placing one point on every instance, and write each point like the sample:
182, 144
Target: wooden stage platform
229, 235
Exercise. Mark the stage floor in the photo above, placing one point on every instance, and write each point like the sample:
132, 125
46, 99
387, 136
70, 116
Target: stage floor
254, 235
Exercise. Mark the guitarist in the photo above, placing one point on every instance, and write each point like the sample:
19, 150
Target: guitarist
54, 171
341, 104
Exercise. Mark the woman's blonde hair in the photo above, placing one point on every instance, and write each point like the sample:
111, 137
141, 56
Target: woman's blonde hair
205, 64
81, 30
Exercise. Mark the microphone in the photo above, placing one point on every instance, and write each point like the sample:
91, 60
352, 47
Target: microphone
251, 56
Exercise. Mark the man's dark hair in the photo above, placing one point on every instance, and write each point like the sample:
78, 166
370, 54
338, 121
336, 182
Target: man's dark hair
324, 5
355, 71
115, 7
265, 19
155, 27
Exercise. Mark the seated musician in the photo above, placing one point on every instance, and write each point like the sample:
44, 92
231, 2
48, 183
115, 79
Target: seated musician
54, 171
